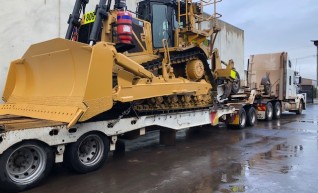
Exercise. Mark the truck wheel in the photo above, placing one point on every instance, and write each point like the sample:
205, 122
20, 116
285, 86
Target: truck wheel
87, 154
251, 116
300, 109
269, 112
277, 110
25, 165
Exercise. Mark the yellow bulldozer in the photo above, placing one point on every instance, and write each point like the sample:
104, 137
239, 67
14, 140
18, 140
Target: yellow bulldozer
110, 59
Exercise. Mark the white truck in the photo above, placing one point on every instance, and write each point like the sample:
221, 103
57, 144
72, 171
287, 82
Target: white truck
274, 75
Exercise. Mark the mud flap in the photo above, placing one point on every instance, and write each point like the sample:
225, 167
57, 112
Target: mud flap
214, 118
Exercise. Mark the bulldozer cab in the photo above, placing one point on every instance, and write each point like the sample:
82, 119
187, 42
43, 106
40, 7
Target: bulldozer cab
162, 16
179, 22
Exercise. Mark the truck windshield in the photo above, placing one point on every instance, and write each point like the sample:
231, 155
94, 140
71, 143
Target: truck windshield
160, 25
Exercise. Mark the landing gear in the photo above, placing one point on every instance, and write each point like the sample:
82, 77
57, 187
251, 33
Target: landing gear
25, 165
88, 153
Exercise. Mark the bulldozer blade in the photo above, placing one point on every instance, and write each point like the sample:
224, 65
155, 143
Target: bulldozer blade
60, 80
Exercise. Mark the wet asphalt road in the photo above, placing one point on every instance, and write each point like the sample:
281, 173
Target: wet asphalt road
278, 156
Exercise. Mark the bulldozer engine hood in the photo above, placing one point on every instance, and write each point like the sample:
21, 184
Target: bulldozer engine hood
60, 80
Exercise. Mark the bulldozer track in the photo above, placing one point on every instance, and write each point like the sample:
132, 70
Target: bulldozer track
182, 102
175, 58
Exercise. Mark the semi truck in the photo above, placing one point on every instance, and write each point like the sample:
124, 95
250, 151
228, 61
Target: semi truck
276, 76
276, 73
117, 76
271, 88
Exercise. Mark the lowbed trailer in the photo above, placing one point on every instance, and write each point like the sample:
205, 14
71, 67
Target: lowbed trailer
17, 129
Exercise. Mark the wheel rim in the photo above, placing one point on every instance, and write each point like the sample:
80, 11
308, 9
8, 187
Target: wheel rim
91, 150
269, 111
26, 164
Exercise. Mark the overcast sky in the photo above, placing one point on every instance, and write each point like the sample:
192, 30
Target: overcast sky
277, 25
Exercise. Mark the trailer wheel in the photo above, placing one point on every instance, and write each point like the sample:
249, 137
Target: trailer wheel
25, 165
269, 112
251, 116
300, 109
242, 123
242, 120
277, 110
87, 154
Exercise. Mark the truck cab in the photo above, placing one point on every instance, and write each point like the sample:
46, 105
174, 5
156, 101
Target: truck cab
293, 80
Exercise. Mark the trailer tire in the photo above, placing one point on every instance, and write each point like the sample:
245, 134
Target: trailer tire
300, 109
269, 111
242, 120
251, 116
277, 110
25, 165
88, 153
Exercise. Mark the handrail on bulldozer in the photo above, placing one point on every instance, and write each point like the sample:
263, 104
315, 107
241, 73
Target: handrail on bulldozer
198, 17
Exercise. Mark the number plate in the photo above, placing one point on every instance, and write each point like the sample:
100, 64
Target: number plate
88, 18
261, 115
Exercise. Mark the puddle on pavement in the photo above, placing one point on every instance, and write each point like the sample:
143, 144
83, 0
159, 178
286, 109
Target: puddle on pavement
273, 161
309, 121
